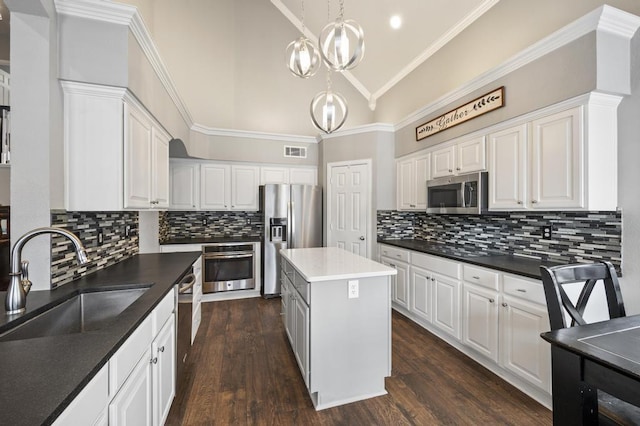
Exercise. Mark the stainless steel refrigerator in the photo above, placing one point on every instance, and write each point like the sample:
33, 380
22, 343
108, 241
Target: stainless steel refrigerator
292, 218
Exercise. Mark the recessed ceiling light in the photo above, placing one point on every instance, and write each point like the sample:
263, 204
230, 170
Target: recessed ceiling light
395, 22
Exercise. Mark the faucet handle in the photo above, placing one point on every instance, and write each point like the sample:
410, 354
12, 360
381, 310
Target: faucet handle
24, 276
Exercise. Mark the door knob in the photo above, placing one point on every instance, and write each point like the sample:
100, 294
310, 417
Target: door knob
361, 238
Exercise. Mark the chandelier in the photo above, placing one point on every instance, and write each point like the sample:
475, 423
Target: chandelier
342, 43
330, 107
303, 56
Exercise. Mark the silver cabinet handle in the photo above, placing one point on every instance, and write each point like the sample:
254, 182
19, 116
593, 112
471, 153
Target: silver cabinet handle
476, 277
154, 360
161, 349
521, 290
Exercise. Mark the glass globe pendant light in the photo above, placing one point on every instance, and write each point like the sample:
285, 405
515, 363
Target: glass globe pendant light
342, 43
303, 58
328, 109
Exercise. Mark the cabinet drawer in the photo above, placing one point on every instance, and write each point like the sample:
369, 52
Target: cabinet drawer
523, 288
122, 363
163, 311
436, 264
302, 286
394, 253
480, 276
286, 267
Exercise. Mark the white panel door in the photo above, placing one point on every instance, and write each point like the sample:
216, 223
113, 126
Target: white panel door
443, 162
523, 351
405, 189
446, 299
163, 351
508, 169
132, 404
471, 155
480, 313
244, 187
557, 179
349, 201
215, 186
184, 185
159, 168
421, 293
137, 159
422, 168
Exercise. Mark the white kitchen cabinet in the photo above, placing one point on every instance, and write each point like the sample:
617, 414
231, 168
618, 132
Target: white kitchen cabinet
421, 285
215, 186
116, 153
508, 159
557, 170
462, 156
397, 259
132, 406
274, 175
446, 304
163, 370
185, 185
480, 313
412, 175
90, 406
244, 187
301, 340
303, 175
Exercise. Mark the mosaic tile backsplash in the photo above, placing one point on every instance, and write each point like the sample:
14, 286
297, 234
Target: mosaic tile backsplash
208, 224
115, 247
576, 236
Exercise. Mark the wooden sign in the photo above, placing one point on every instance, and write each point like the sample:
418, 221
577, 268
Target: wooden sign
473, 109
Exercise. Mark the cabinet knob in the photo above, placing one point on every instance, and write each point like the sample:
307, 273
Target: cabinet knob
154, 360
534, 201
450, 170
491, 300
505, 305
457, 168
433, 279
519, 202
161, 349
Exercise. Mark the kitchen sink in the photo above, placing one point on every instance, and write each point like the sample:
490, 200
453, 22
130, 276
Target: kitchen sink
84, 312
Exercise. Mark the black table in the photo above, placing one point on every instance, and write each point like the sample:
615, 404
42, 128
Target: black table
604, 355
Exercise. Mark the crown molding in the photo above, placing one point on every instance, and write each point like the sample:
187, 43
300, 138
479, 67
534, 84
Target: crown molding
604, 18
99, 90
211, 131
117, 13
375, 127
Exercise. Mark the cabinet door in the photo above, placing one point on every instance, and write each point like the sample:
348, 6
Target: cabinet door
302, 337
523, 351
163, 350
132, 404
137, 159
443, 162
304, 176
422, 169
244, 187
215, 186
185, 178
508, 169
471, 155
421, 293
557, 179
446, 302
405, 189
274, 175
480, 313
401, 290
159, 168
90, 406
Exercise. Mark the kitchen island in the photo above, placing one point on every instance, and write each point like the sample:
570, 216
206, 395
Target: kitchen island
337, 315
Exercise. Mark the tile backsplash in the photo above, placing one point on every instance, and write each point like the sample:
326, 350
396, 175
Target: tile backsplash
115, 247
576, 236
209, 224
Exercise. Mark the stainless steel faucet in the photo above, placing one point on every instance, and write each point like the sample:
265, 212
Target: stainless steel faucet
20, 285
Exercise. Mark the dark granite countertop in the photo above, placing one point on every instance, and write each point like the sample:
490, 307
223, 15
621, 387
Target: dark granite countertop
506, 263
41, 376
211, 240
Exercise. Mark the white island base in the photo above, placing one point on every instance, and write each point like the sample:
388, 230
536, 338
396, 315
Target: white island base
337, 313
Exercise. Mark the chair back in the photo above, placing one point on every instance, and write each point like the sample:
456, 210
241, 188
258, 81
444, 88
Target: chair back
558, 301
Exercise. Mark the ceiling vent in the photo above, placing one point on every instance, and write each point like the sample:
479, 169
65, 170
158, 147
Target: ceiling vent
295, 151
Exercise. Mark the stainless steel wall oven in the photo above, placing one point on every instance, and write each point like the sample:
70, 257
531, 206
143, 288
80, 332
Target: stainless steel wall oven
228, 267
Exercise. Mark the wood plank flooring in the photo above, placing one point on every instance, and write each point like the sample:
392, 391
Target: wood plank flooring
242, 372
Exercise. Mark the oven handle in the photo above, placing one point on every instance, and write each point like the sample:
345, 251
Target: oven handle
226, 256
184, 285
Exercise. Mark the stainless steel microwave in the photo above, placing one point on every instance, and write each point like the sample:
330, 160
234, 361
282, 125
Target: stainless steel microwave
463, 194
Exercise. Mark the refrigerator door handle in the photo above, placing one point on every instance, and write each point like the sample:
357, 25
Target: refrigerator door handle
290, 228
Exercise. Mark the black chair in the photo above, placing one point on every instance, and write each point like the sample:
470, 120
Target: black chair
610, 409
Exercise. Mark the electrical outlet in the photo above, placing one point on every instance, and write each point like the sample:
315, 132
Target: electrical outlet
100, 237
546, 232
204, 222
248, 221
353, 289
127, 231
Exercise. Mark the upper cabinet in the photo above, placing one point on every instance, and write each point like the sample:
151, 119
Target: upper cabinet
292, 175
463, 156
561, 160
116, 153
412, 175
185, 185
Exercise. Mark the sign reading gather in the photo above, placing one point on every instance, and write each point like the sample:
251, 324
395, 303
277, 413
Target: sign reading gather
475, 108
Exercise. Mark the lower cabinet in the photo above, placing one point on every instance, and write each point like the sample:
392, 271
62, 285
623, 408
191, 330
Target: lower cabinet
296, 320
494, 317
137, 385
397, 259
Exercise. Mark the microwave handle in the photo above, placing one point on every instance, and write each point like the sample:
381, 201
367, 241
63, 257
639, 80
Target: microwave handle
464, 193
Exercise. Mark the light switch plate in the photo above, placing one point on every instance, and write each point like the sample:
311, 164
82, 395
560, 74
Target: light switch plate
353, 289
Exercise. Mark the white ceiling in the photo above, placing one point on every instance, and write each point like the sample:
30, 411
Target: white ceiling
390, 54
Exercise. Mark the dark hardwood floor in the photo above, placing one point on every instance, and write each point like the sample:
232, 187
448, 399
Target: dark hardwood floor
242, 372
